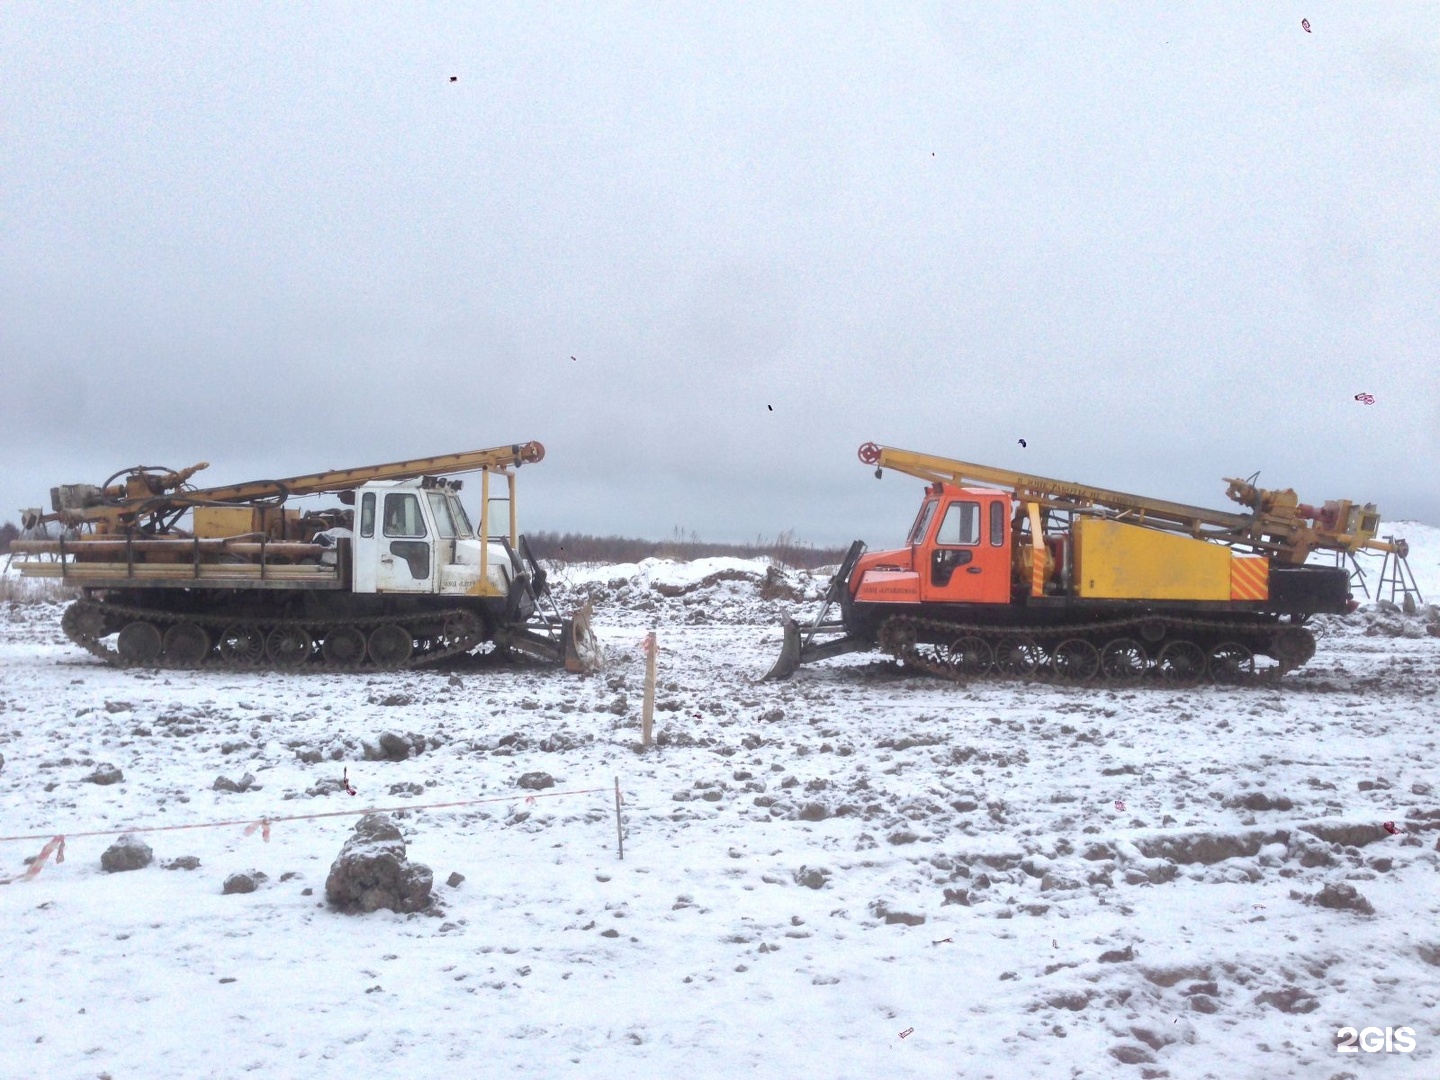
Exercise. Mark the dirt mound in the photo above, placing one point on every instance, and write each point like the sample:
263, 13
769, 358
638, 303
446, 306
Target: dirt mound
1207, 848
372, 872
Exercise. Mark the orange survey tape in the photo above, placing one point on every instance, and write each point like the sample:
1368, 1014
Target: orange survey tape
56, 844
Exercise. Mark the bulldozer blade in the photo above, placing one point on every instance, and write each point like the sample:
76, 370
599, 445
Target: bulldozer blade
570, 642
789, 658
794, 651
583, 654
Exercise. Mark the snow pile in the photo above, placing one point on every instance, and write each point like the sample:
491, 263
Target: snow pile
1423, 561
668, 574
662, 592
1424, 558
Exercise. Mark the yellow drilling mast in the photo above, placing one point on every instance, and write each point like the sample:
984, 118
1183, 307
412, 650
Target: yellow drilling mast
145, 491
1279, 525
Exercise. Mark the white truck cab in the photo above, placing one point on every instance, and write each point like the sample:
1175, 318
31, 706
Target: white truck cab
413, 536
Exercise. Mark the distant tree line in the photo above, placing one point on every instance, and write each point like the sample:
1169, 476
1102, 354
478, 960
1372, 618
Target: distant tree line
783, 549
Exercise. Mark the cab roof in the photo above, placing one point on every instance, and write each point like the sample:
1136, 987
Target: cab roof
941, 488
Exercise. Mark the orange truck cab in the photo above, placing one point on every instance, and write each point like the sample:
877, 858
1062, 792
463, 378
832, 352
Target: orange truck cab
958, 552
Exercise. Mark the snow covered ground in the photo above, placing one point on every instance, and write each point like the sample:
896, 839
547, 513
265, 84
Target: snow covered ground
1029, 881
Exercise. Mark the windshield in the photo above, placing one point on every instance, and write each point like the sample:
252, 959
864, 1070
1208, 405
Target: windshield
440, 508
462, 523
922, 522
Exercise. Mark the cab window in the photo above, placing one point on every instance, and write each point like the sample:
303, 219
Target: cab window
367, 514
440, 511
402, 515
462, 520
961, 526
922, 522
997, 524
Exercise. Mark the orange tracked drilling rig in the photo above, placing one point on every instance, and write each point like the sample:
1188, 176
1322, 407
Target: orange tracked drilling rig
395, 577
1005, 572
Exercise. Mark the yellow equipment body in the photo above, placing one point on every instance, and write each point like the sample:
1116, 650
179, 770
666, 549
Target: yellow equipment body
1114, 561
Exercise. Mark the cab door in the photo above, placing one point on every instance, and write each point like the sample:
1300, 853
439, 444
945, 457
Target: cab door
364, 546
406, 552
967, 555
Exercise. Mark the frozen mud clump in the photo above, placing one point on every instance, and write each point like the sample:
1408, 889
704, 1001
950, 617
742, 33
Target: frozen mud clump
127, 853
105, 774
892, 916
224, 783
536, 781
1208, 848
1289, 1000
392, 746
1343, 897
774, 586
1258, 800
245, 882
812, 877
372, 871
1130, 1054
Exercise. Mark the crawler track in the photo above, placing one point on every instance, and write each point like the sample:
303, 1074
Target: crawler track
1168, 649
188, 642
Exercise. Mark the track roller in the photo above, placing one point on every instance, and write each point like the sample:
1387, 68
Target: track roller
242, 645
186, 644
971, 657
1123, 660
1181, 662
288, 646
1021, 656
1076, 661
344, 646
1230, 662
139, 643
390, 645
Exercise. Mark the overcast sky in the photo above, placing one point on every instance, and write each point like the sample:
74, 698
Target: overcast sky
1162, 245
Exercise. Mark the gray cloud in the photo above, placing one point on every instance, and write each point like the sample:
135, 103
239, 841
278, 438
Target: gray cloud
1161, 247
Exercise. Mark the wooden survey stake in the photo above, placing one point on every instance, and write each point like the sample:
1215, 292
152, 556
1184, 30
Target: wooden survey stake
619, 828
647, 720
